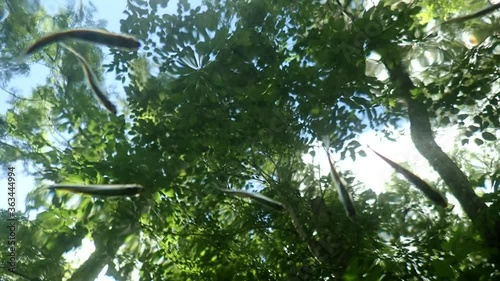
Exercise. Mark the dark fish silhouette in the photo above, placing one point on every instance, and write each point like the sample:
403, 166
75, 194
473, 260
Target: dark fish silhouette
92, 81
105, 190
344, 196
429, 191
259, 198
90, 35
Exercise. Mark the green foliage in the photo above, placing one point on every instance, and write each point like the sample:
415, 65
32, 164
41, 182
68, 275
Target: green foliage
243, 90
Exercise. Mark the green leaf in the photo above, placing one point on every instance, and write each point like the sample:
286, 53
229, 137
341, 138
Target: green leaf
478, 141
488, 136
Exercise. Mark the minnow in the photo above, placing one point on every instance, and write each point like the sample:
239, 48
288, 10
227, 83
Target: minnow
106, 190
344, 195
259, 198
92, 81
90, 35
429, 191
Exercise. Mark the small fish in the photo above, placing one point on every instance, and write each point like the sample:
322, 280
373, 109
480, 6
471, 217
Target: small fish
344, 196
90, 35
106, 190
259, 198
92, 81
429, 191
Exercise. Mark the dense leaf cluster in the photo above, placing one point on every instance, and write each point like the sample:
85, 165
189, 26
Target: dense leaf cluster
232, 94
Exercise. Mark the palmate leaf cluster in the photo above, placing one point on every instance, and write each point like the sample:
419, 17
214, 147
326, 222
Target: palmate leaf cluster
231, 95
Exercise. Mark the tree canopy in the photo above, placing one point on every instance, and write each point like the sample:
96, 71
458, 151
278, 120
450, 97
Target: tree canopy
231, 95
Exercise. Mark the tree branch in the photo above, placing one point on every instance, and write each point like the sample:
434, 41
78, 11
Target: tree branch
455, 179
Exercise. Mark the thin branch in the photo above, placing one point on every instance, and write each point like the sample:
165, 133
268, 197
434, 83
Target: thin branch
24, 276
477, 14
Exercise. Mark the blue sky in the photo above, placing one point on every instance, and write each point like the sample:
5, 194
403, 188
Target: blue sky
112, 12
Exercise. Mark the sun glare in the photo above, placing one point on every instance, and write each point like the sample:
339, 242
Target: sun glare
373, 171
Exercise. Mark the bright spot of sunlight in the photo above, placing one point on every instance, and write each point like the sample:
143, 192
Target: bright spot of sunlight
372, 171
78, 256
102, 275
